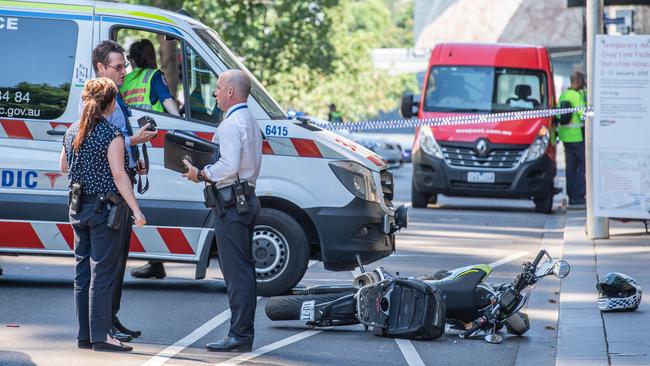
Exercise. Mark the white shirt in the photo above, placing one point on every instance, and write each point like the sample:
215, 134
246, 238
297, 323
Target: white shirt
240, 148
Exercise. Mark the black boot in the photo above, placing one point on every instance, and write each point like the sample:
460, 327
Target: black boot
151, 269
126, 331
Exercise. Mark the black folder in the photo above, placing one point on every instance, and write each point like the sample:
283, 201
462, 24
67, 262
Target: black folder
181, 145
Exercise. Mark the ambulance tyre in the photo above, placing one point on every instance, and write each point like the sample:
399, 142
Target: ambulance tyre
280, 251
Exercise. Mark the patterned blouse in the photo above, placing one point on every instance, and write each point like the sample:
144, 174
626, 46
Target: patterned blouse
90, 165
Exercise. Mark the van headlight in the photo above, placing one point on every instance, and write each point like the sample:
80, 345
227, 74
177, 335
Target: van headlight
356, 178
428, 143
539, 145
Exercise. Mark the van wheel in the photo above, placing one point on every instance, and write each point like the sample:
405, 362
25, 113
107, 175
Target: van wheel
419, 199
280, 251
544, 204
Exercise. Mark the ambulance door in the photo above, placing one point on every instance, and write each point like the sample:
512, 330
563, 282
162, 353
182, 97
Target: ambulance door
45, 62
173, 206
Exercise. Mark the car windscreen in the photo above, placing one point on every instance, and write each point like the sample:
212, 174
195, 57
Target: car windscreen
260, 94
484, 89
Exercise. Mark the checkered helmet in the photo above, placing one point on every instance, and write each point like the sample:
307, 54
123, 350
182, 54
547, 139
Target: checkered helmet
618, 291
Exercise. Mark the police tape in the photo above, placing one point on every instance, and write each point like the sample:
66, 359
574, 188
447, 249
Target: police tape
453, 120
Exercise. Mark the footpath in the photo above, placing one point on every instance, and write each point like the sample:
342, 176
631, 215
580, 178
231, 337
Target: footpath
585, 335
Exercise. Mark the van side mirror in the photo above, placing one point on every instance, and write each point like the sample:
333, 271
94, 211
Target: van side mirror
407, 105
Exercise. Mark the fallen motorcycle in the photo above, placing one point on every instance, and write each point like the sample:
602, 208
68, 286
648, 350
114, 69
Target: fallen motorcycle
400, 307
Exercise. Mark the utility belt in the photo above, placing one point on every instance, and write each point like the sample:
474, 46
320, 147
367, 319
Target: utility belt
236, 195
119, 209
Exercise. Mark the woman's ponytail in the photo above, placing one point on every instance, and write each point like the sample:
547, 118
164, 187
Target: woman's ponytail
97, 96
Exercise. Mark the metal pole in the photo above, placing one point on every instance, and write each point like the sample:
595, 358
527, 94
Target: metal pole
597, 227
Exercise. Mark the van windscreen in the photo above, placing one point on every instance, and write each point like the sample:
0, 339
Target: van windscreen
258, 92
484, 89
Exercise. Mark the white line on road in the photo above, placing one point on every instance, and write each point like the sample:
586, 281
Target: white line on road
507, 259
410, 354
200, 332
269, 348
197, 334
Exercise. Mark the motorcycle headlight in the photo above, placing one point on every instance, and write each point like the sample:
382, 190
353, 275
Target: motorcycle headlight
539, 145
356, 178
428, 143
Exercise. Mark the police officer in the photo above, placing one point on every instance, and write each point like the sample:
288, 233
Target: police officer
108, 61
572, 135
240, 146
93, 156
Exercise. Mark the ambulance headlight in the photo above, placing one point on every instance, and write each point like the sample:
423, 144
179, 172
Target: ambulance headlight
539, 145
428, 143
356, 178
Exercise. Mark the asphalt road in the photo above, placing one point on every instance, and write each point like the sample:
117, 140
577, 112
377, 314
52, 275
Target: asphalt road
179, 315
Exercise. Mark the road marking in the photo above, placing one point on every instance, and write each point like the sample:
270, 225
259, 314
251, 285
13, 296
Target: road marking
408, 351
269, 348
200, 332
197, 334
507, 259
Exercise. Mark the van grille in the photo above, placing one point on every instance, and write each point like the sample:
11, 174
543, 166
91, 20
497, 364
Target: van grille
495, 158
387, 187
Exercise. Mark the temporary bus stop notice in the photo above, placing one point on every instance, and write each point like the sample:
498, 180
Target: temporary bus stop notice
621, 131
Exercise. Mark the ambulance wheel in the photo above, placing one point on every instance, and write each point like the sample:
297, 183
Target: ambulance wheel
280, 251
544, 203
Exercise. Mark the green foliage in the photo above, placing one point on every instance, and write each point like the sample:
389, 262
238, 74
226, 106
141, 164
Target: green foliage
313, 53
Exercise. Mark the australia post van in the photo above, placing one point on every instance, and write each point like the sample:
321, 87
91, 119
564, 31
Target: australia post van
323, 197
509, 159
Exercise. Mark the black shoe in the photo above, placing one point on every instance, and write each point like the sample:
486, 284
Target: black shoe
122, 337
133, 333
84, 344
230, 344
108, 347
151, 269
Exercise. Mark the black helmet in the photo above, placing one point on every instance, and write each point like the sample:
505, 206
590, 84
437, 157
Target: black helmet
618, 291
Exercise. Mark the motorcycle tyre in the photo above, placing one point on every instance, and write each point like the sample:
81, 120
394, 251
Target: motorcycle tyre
288, 307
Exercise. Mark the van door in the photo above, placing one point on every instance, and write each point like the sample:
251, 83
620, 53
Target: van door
171, 203
44, 64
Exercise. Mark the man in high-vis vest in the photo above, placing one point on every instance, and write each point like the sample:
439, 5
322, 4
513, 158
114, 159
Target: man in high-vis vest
573, 136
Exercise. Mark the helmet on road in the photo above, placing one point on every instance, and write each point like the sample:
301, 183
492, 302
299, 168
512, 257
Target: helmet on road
618, 291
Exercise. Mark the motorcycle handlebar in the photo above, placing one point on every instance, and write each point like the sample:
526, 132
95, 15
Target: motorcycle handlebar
539, 257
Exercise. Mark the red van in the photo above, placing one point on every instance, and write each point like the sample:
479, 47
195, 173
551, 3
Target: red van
511, 159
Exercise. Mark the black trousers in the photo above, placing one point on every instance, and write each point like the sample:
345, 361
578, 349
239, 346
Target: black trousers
576, 188
234, 233
96, 253
123, 255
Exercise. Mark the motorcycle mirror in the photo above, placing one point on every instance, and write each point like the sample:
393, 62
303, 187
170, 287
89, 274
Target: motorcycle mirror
561, 268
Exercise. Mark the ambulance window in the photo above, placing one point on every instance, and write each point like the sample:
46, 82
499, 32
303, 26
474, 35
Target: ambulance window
167, 51
37, 63
202, 83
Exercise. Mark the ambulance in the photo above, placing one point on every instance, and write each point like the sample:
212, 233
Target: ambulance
323, 196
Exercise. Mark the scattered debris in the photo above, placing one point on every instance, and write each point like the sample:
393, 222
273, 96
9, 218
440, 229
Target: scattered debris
549, 327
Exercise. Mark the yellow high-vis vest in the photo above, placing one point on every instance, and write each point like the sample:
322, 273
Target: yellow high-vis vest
572, 132
136, 90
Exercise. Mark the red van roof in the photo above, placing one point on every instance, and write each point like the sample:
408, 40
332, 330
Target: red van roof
490, 54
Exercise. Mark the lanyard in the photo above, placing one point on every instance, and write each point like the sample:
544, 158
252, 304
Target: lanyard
236, 109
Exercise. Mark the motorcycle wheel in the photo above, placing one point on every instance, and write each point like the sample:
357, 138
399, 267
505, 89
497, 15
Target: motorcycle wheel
288, 307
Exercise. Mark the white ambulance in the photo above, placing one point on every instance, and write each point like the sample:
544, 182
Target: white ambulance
323, 196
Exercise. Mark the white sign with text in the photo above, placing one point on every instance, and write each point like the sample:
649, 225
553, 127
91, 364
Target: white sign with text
621, 131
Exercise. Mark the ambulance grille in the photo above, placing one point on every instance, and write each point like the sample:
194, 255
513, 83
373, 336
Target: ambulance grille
387, 187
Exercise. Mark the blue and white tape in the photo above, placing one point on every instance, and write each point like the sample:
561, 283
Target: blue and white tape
452, 120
